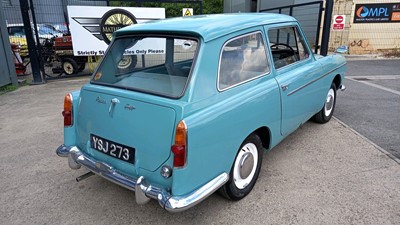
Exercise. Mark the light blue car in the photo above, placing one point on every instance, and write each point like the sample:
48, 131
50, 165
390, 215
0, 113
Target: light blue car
183, 107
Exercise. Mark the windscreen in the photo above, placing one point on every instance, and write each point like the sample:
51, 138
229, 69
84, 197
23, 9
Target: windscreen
154, 65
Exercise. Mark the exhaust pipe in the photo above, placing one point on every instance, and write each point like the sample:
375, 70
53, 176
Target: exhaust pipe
84, 176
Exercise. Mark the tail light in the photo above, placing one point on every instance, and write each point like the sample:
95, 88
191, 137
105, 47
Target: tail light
68, 111
180, 147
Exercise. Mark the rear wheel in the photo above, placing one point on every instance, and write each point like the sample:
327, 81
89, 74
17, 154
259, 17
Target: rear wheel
245, 169
326, 112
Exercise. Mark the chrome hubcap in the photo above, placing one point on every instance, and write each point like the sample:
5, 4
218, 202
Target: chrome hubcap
330, 99
245, 165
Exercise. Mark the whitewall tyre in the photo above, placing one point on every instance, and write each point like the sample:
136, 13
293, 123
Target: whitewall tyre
245, 169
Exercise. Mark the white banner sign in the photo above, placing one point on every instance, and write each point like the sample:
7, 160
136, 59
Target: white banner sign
147, 46
92, 27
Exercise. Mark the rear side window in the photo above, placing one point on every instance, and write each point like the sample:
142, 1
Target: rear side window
242, 59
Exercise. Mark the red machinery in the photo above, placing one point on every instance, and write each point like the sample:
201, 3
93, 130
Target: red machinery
70, 64
19, 65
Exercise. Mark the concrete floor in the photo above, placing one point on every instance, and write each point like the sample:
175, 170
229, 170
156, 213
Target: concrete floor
321, 174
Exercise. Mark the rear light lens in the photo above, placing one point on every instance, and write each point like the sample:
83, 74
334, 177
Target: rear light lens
68, 111
180, 147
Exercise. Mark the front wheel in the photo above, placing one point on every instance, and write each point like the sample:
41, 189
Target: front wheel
245, 169
326, 112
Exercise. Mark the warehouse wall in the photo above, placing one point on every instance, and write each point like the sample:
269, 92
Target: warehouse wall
7, 69
365, 38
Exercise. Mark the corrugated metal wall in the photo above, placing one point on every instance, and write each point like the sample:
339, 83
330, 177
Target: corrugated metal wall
237, 6
7, 70
46, 11
307, 15
308, 18
12, 12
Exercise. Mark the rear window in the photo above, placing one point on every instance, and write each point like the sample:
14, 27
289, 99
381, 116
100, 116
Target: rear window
155, 65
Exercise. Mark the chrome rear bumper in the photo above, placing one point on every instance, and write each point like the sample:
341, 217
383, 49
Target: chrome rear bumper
143, 190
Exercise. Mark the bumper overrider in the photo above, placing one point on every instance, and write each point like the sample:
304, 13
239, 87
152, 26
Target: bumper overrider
143, 190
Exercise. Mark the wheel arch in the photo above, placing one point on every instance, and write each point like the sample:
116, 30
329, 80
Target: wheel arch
337, 81
265, 135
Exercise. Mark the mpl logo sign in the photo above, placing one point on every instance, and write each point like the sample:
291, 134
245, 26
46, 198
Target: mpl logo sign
375, 13
364, 12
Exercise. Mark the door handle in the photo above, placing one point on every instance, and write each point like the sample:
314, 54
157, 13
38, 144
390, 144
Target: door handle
284, 87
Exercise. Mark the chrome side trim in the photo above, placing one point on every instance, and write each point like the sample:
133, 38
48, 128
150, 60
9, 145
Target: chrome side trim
144, 191
309, 83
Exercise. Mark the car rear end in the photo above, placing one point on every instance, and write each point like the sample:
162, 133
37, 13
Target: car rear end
126, 124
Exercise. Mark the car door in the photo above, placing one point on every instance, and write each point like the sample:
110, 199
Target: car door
296, 73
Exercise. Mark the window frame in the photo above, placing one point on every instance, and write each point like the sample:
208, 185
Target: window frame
250, 79
298, 32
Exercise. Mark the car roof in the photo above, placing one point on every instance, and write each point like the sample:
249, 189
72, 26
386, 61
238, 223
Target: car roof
209, 27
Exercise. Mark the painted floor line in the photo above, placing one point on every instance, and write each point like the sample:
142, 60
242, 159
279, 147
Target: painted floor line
376, 86
376, 77
390, 155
